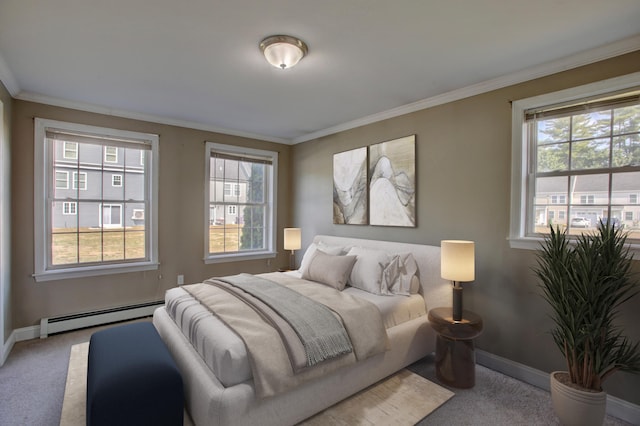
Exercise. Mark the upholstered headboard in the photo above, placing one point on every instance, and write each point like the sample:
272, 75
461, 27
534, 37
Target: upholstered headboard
436, 291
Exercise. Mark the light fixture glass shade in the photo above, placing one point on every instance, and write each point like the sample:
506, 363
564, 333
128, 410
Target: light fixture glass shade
283, 51
292, 238
457, 260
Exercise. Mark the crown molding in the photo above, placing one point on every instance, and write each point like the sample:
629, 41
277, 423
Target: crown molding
611, 50
82, 106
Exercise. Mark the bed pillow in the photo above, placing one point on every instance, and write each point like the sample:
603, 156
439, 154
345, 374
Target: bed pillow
373, 270
308, 254
329, 269
406, 282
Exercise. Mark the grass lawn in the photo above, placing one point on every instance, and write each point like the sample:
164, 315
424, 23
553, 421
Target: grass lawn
97, 245
224, 238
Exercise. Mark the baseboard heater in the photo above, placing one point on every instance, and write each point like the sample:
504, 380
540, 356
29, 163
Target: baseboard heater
89, 319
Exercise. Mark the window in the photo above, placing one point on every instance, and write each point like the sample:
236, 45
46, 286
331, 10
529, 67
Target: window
69, 208
92, 227
110, 154
70, 150
633, 198
628, 216
80, 181
240, 200
587, 199
232, 189
62, 180
582, 144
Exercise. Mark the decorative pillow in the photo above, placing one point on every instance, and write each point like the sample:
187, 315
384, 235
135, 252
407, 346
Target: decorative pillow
373, 270
406, 282
328, 269
308, 254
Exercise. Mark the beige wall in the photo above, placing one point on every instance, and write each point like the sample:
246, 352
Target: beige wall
6, 325
181, 210
463, 168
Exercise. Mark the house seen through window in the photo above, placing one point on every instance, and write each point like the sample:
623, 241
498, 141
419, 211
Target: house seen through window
240, 200
96, 222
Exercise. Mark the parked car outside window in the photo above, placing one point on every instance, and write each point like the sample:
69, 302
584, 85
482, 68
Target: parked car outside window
580, 222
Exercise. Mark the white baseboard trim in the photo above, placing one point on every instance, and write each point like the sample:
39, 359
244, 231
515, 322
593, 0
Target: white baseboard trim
6, 348
616, 407
27, 333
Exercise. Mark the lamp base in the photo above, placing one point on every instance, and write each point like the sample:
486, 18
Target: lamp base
292, 261
457, 302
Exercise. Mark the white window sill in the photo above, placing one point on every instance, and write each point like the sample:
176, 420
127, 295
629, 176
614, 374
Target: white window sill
92, 271
237, 257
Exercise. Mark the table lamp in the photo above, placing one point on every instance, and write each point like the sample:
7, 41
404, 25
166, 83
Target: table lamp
293, 242
457, 265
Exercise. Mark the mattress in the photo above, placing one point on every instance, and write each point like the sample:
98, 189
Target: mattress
225, 353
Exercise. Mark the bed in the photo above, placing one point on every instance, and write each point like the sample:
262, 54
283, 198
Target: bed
220, 389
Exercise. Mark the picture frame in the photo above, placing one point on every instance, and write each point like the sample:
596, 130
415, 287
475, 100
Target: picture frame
392, 183
350, 187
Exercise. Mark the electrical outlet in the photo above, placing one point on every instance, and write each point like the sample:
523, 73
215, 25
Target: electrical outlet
180, 279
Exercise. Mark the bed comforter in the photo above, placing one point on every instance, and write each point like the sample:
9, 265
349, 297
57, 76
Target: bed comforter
273, 372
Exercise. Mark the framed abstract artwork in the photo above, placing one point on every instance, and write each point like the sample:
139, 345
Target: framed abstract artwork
392, 183
350, 187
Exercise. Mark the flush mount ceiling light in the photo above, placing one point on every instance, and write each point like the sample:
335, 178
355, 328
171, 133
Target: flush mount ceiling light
283, 51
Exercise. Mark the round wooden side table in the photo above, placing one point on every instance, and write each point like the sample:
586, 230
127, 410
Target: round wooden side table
455, 354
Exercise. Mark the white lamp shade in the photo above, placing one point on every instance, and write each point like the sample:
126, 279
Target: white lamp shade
292, 238
457, 260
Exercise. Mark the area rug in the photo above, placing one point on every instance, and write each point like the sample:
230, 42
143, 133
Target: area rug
402, 399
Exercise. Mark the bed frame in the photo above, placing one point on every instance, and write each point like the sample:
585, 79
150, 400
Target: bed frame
210, 403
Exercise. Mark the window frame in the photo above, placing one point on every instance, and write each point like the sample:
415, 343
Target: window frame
107, 154
42, 226
520, 182
66, 180
70, 208
74, 150
272, 189
75, 181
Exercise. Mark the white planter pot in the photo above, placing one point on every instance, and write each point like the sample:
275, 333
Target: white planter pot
575, 407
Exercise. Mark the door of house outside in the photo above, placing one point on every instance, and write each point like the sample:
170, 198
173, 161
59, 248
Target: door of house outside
111, 215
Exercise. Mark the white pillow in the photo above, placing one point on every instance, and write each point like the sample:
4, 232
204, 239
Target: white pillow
373, 270
308, 254
328, 269
406, 282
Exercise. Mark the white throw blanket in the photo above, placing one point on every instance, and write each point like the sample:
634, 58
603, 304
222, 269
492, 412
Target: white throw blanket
271, 368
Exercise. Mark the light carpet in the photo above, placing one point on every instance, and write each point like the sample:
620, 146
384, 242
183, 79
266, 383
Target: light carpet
403, 399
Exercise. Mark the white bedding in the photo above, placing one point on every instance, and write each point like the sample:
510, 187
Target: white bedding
209, 402
225, 353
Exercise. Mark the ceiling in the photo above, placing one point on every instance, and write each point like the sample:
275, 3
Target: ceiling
197, 63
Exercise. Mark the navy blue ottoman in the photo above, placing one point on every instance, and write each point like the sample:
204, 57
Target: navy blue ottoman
132, 379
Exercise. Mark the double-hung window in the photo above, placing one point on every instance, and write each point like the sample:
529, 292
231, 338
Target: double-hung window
576, 161
93, 226
240, 203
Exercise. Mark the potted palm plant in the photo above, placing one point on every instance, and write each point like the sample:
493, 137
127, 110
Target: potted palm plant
585, 283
